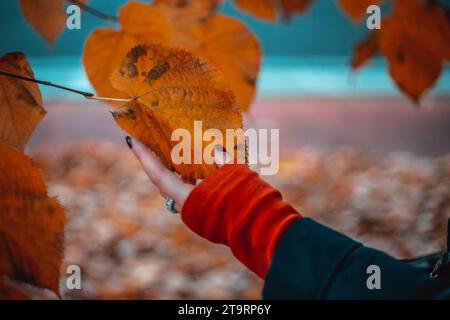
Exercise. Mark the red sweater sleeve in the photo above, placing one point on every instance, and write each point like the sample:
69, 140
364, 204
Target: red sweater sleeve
234, 207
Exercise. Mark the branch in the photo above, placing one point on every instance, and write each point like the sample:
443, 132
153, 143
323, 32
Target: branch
94, 11
87, 95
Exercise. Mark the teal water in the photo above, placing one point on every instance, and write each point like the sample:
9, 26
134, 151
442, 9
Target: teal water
280, 77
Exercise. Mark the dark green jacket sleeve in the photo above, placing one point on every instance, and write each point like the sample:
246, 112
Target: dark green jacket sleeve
314, 262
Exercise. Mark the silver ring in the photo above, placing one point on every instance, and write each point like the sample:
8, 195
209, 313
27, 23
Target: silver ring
170, 203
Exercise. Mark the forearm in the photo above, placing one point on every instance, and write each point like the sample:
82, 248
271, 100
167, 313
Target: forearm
236, 208
314, 262
307, 260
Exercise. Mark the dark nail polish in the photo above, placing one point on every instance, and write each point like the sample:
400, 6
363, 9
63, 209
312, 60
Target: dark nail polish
129, 142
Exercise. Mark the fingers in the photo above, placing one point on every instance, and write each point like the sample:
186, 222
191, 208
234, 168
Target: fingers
168, 183
221, 156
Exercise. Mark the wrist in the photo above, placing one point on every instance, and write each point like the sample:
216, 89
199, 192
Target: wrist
233, 206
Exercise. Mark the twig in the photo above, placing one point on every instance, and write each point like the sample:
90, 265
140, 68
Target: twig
87, 95
94, 11
47, 83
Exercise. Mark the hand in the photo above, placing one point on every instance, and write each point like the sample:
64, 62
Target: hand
169, 184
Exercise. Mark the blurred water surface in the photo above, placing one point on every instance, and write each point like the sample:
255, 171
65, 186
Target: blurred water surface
281, 76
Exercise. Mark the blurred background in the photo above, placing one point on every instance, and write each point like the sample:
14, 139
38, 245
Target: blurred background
356, 154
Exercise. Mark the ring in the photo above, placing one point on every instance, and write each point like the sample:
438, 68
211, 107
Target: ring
170, 206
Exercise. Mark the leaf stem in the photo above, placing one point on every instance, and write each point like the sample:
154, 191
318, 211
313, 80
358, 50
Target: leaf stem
94, 11
47, 83
87, 95
109, 99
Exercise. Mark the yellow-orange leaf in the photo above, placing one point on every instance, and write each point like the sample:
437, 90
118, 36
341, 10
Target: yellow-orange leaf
412, 65
31, 223
365, 50
172, 89
415, 41
234, 50
224, 41
100, 60
47, 17
190, 10
20, 101
356, 9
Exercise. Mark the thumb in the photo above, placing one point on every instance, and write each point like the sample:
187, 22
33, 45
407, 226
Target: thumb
221, 156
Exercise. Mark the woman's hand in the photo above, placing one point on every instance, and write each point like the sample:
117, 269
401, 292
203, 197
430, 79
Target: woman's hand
233, 206
169, 184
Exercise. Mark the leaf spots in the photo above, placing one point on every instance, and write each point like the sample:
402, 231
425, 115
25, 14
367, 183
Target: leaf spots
21, 107
179, 89
193, 25
157, 71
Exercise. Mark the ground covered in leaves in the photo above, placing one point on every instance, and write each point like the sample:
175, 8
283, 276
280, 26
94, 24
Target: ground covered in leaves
128, 246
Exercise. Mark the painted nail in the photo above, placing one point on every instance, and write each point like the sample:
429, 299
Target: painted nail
129, 142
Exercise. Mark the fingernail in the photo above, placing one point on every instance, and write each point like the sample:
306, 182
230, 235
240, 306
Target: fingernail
129, 142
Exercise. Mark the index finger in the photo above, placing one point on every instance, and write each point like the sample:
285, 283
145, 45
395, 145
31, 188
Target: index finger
164, 179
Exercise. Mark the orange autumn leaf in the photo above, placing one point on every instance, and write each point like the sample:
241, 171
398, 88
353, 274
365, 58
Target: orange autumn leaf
234, 50
412, 65
272, 9
188, 11
291, 7
365, 50
139, 22
356, 9
224, 41
428, 17
172, 88
415, 40
46, 17
31, 223
20, 101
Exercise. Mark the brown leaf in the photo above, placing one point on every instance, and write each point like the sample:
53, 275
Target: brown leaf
99, 61
46, 17
173, 88
291, 7
138, 22
20, 101
365, 50
415, 40
189, 10
224, 41
228, 44
31, 223
271, 10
